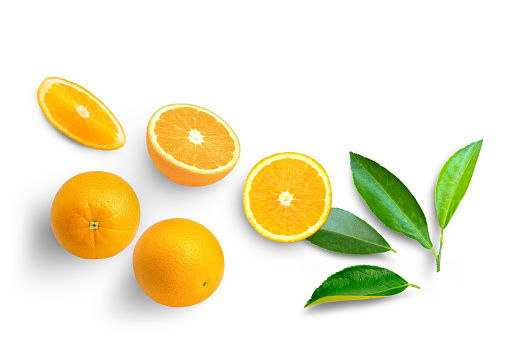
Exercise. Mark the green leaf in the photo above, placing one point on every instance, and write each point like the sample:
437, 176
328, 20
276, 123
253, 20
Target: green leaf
359, 282
389, 199
453, 181
343, 232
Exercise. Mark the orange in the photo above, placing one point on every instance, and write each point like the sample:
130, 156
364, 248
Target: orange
287, 197
178, 262
78, 114
191, 145
95, 215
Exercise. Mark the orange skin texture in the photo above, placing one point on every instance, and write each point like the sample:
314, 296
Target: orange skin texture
179, 174
99, 197
178, 262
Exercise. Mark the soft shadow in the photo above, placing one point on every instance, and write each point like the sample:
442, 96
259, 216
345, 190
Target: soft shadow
434, 227
378, 258
348, 305
250, 233
363, 206
429, 260
149, 170
129, 300
246, 225
45, 257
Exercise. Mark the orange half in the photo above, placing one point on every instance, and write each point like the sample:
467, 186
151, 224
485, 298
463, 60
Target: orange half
287, 197
191, 145
78, 114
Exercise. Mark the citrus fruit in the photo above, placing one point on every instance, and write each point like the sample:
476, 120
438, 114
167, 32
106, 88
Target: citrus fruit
78, 114
191, 145
178, 262
95, 215
287, 197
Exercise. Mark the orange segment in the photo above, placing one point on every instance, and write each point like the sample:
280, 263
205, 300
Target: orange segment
194, 137
191, 145
78, 114
287, 197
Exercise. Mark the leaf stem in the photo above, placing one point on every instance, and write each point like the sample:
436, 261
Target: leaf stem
440, 250
412, 285
437, 259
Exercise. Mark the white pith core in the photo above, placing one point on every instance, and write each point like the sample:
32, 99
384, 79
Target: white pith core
285, 198
195, 136
82, 111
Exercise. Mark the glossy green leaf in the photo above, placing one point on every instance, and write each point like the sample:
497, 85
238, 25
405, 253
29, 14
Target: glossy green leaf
359, 282
453, 181
344, 232
389, 199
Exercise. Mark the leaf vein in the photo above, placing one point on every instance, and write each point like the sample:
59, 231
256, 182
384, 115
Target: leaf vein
396, 205
451, 198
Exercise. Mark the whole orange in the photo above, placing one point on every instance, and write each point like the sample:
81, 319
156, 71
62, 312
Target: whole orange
178, 262
95, 215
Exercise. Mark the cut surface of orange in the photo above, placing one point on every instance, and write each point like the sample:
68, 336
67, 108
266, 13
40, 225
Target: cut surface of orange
78, 114
287, 197
191, 145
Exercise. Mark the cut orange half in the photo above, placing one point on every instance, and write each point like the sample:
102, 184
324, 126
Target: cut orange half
287, 197
191, 145
78, 114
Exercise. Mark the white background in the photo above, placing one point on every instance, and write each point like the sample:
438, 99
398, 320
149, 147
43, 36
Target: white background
404, 83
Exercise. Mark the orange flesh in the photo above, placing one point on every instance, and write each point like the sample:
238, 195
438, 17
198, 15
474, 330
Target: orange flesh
64, 102
303, 184
213, 146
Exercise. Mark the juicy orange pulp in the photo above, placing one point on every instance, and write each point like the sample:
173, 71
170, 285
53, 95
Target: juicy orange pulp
191, 145
287, 197
78, 114
194, 138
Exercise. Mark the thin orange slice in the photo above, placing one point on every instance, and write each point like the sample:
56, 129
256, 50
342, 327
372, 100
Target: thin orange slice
191, 145
78, 114
287, 197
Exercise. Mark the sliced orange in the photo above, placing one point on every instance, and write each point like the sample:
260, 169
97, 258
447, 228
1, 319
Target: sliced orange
78, 114
191, 145
287, 197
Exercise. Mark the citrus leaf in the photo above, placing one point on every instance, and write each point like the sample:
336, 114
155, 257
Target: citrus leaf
359, 282
389, 199
344, 232
453, 181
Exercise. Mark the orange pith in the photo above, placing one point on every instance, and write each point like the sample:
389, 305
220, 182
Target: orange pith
287, 197
191, 145
78, 114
